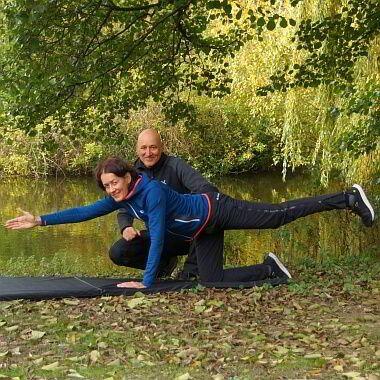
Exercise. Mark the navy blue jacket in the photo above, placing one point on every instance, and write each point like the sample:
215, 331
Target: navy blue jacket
174, 172
163, 210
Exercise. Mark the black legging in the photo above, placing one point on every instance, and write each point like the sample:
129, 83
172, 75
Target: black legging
231, 214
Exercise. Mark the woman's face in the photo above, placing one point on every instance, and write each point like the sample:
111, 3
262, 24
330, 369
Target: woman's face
116, 187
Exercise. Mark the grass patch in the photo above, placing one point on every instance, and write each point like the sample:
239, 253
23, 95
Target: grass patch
322, 325
63, 264
299, 365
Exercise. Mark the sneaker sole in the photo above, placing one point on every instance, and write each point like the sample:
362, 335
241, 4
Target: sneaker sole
365, 200
280, 264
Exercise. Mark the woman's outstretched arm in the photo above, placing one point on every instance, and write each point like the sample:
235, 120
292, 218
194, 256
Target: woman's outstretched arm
70, 215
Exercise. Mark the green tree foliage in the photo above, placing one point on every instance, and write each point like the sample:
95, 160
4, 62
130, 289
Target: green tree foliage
68, 55
328, 79
87, 51
333, 44
62, 145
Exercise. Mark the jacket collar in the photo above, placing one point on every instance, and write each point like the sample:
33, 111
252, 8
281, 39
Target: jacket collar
133, 187
137, 186
139, 165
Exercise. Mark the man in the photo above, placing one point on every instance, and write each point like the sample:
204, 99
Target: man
132, 249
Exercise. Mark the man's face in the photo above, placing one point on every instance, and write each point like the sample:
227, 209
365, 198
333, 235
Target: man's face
149, 149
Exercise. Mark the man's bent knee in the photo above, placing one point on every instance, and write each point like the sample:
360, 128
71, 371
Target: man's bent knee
118, 252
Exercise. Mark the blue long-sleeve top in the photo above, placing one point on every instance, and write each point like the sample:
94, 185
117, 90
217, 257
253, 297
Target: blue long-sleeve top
163, 211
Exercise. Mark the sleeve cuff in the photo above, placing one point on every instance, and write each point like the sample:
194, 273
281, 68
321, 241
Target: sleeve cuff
43, 221
147, 284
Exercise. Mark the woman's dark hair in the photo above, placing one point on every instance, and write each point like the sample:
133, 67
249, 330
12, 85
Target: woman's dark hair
115, 165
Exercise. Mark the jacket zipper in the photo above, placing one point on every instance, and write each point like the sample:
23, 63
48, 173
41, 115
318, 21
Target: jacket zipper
137, 216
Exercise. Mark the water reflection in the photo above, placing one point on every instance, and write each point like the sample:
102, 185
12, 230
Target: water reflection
83, 247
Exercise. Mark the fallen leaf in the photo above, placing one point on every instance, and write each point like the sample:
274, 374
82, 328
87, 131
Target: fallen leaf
282, 350
215, 303
74, 374
16, 351
35, 335
351, 375
11, 328
199, 309
298, 349
102, 345
72, 302
185, 376
115, 362
72, 337
94, 356
135, 302
52, 321
51, 367
312, 356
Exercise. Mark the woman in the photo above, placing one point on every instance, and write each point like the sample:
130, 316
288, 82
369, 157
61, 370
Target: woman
199, 217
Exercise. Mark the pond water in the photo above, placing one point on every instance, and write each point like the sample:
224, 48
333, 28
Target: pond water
83, 248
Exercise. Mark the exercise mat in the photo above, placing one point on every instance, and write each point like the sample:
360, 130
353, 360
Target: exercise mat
38, 288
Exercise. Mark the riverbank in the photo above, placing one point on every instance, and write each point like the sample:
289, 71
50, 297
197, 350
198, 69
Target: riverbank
79, 249
323, 325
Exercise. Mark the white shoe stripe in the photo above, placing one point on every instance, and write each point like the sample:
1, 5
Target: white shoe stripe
365, 200
280, 264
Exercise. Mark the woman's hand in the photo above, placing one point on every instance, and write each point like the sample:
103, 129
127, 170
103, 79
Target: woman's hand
27, 220
131, 284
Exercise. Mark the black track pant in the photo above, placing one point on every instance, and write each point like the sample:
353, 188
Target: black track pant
134, 253
232, 214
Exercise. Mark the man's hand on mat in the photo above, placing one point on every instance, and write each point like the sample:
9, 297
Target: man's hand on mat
130, 233
131, 284
27, 220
